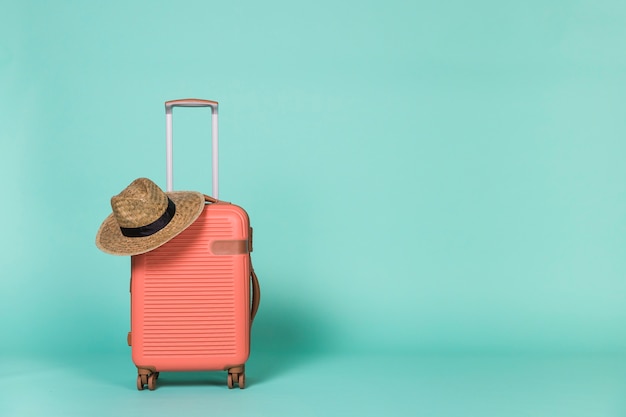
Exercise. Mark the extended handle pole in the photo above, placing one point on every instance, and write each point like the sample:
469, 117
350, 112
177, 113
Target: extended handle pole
169, 152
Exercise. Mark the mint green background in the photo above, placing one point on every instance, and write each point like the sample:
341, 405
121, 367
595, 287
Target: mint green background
424, 178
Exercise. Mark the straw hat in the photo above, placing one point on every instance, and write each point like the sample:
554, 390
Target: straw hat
144, 218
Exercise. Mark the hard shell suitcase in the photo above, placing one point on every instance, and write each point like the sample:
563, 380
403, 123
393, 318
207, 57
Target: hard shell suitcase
194, 298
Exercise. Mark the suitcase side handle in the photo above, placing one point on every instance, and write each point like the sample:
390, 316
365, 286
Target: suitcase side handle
190, 102
256, 294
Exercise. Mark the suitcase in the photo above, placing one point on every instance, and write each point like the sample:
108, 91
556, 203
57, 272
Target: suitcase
194, 298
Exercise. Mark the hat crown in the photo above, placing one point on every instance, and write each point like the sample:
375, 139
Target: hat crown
139, 204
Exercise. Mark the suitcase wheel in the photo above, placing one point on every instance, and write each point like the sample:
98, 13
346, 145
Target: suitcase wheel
149, 380
152, 382
240, 378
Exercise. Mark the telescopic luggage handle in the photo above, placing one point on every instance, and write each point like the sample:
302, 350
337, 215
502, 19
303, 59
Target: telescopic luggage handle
189, 102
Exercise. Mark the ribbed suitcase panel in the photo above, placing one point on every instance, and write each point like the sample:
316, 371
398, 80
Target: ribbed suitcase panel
185, 315
189, 306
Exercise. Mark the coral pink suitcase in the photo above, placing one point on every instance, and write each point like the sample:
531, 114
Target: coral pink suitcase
194, 298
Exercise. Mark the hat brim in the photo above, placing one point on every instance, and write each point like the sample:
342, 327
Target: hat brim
189, 206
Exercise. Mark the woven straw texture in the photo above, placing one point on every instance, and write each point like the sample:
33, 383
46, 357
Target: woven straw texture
140, 204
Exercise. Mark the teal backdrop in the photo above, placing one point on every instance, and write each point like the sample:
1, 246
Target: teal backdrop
422, 177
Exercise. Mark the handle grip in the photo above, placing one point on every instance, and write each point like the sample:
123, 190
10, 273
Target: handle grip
190, 102
256, 294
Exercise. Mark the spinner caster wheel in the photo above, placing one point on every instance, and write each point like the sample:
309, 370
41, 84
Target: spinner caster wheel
236, 378
152, 381
142, 380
